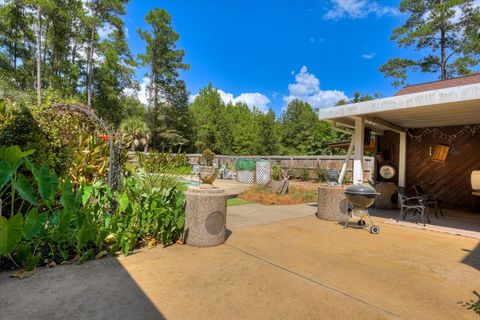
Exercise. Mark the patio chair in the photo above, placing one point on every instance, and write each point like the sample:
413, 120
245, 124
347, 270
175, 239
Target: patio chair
430, 200
195, 170
411, 203
225, 173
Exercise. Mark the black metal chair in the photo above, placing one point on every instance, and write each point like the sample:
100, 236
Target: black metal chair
430, 200
411, 203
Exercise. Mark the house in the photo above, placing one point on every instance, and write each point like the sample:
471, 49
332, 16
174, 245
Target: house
429, 133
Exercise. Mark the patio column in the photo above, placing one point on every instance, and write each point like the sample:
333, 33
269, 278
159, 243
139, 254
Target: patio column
343, 171
402, 161
358, 155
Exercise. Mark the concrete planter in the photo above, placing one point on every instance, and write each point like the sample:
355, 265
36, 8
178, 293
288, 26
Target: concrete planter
205, 216
331, 203
207, 174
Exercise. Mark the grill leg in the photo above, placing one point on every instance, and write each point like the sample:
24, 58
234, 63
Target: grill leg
349, 213
370, 218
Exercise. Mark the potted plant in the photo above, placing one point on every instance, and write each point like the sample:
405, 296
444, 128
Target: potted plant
207, 172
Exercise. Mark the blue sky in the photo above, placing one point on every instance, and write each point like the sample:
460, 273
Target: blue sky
267, 52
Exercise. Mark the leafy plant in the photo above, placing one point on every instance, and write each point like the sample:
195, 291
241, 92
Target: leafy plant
304, 174
90, 160
46, 219
207, 158
321, 174
161, 162
277, 171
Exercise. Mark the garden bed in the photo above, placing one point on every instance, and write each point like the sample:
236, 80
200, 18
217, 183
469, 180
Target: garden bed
263, 195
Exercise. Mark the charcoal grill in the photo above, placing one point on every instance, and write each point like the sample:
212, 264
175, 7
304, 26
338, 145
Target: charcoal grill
361, 197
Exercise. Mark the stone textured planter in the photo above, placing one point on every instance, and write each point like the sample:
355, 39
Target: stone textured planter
205, 216
331, 203
207, 174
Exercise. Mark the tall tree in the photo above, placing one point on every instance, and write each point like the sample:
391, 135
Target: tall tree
207, 113
114, 74
16, 37
103, 14
164, 61
269, 136
444, 28
39, 54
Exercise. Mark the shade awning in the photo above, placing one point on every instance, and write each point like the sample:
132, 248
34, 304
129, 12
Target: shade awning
444, 107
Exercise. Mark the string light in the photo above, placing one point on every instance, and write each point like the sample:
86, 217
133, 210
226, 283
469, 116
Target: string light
437, 134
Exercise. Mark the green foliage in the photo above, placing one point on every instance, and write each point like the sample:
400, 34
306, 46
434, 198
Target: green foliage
277, 171
303, 132
207, 157
168, 115
443, 31
164, 162
90, 160
301, 174
321, 174
49, 220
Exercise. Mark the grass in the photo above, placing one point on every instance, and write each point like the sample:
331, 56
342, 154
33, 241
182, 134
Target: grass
263, 195
236, 202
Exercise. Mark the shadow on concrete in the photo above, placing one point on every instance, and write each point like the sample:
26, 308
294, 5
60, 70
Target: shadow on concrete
228, 233
100, 289
473, 257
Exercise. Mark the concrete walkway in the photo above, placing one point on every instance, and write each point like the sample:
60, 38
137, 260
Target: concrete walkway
254, 214
294, 268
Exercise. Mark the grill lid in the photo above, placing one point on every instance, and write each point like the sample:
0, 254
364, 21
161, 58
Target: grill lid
361, 189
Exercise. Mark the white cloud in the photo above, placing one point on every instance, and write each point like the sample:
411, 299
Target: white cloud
307, 88
254, 99
357, 9
105, 30
142, 93
369, 56
251, 99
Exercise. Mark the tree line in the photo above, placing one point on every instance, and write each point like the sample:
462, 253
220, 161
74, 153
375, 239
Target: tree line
77, 50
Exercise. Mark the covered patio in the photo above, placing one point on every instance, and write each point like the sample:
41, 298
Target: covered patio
429, 134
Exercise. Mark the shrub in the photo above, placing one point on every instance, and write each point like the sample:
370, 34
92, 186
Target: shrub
321, 174
52, 132
50, 220
304, 174
276, 171
161, 162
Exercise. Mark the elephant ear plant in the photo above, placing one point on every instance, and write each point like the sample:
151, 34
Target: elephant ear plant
47, 220
40, 216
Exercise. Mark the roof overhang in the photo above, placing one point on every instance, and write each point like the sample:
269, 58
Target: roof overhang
437, 108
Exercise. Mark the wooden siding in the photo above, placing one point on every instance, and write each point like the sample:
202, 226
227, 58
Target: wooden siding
449, 180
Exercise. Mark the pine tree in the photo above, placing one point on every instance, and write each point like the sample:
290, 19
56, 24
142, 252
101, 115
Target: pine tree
447, 28
168, 94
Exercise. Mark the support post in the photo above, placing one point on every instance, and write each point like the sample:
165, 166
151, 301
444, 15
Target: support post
343, 171
358, 156
402, 162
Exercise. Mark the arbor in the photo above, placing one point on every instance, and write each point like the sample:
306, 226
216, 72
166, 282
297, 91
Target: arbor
168, 94
448, 29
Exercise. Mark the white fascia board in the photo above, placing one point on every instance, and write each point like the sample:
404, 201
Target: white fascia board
408, 101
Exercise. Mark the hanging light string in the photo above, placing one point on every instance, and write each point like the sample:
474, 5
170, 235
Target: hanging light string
449, 138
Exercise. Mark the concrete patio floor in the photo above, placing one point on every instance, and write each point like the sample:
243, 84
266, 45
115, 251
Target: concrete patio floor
292, 268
